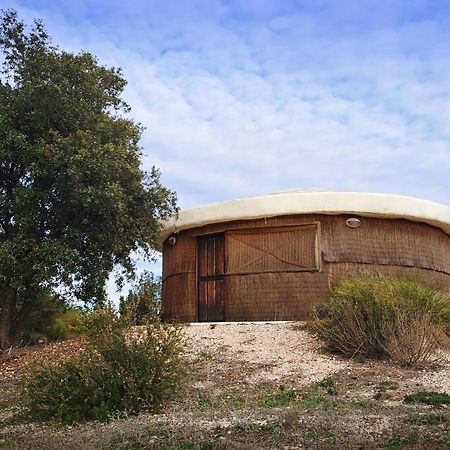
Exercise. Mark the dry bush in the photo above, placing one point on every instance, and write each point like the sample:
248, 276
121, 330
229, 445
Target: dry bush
414, 339
376, 316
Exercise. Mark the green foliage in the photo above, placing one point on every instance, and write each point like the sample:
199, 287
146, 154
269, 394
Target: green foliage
425, 419
52, 318
312, 436
121, 371
402, 442
74, 201
103, 320
286, 397
311, 400
329, 385
283, 398
429, 398
143, 302
42, 317
66, 325
375, 316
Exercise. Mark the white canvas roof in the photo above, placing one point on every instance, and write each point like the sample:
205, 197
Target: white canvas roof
384, 206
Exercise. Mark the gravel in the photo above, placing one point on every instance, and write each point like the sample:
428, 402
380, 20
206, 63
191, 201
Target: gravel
277, 349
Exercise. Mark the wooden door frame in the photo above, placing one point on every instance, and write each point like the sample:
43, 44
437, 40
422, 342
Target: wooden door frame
212, 278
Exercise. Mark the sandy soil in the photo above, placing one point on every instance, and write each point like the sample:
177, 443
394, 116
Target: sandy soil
265, 352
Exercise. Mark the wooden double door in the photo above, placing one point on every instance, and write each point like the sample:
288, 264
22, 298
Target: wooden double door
211, 270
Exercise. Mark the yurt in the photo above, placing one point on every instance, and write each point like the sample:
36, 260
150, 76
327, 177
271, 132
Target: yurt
275, 257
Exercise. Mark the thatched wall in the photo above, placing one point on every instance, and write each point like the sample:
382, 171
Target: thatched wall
279, 268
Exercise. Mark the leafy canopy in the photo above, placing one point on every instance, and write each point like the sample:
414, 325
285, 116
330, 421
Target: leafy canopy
143, 302
74, 201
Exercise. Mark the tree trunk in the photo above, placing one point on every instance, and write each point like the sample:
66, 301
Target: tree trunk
21, 317
7, 317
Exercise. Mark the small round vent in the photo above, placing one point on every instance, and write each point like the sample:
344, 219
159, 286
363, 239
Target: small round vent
353, 222
172, 240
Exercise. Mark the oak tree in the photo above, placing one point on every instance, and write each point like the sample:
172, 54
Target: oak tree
74, 200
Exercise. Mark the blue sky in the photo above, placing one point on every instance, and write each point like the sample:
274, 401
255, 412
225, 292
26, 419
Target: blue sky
247, 97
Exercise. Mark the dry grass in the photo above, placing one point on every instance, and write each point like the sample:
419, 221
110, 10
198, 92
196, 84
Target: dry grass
414, 339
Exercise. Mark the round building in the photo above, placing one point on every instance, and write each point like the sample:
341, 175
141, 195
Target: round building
275, 257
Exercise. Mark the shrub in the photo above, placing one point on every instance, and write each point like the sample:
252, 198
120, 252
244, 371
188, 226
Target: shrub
425, 419
65, 325
376, 316
329, 385
47, 308
143, 302
121, 371
429, 398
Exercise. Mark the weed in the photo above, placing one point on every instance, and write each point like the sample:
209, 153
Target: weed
206, 446
247, 427
234, 401
387, 386
361, 404
203, 402
329, 385
187, 445
274, 429
331, 436
284, 398
312, 436
311, 400
401, 442
396, 444
425, 419
67, 324
429, 398
384, 387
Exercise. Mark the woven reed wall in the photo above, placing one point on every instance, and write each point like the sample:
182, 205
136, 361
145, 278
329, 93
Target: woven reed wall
253, 292
274, 296
179, 287
180, 297
338, 271
390, 242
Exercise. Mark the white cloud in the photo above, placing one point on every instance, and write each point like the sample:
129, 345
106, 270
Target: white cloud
281, 100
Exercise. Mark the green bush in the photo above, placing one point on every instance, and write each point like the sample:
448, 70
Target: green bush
376, 316
121, 371
429, 398
143, 302
65, 325
42, 316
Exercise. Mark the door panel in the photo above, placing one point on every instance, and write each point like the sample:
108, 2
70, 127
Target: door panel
287, 249
211, 256
210, 301
211, 268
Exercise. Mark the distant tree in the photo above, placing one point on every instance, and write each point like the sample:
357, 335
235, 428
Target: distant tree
74, 202
143, 302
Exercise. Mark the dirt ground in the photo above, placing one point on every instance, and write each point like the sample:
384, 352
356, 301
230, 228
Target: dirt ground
253, 386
